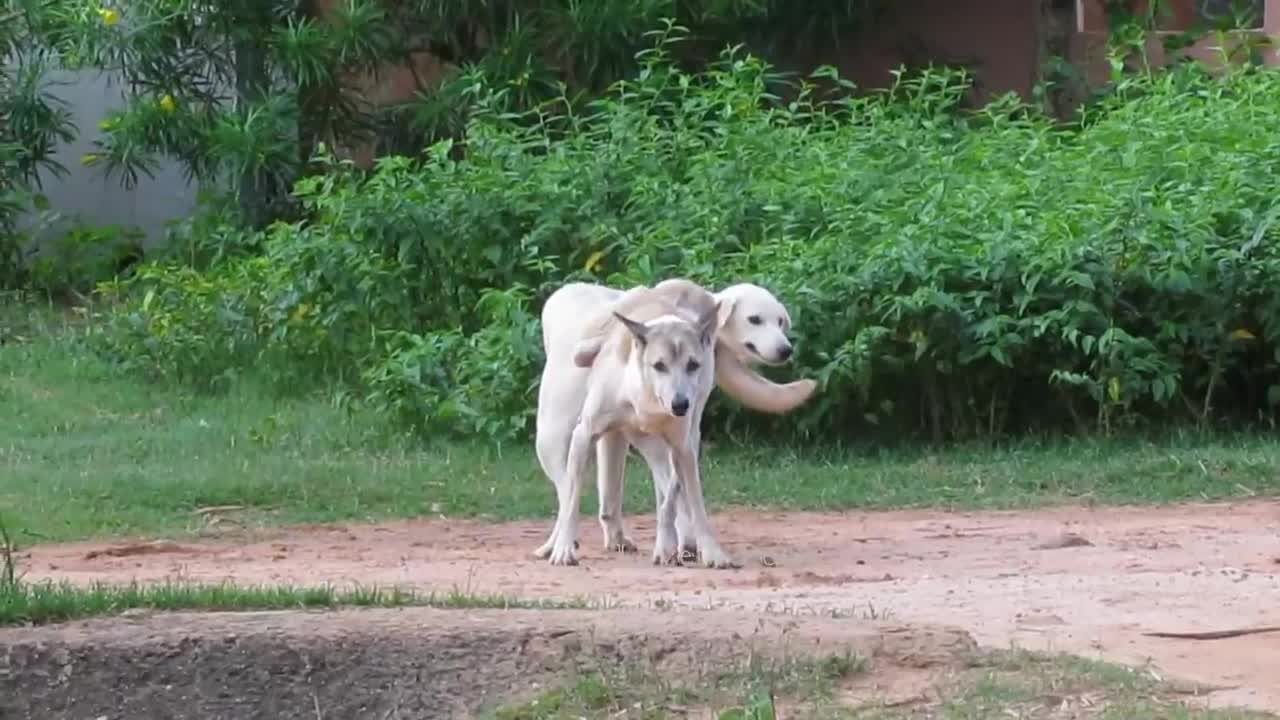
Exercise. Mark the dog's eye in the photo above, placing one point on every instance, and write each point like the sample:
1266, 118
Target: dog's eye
693, 366
754, 320
660, 366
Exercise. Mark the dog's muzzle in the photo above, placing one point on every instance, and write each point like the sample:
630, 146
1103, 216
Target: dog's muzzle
680, 406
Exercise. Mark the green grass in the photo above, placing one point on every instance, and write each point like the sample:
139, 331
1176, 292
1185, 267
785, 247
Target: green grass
1042, 686
43, 603
739, 689
1012, 684
85, 453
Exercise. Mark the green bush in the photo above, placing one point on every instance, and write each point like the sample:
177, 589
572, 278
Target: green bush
950, 274
185, 326
83, 256
32, 123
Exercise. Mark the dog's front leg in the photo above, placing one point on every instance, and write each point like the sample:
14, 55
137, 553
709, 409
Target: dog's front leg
565, 534
666, 548
657, 455
684, 521
611, 465
709, 551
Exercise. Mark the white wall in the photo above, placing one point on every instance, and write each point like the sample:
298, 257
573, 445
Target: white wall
85, 192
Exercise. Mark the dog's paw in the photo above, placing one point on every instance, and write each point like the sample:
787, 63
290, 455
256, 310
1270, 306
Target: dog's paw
665, 550
544, 550
563, 555
665, 557
714, 557
689, 554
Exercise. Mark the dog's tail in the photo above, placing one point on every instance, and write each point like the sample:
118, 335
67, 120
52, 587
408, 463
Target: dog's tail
756, 391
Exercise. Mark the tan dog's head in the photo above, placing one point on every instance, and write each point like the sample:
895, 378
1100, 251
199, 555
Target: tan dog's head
754, 325
670, 353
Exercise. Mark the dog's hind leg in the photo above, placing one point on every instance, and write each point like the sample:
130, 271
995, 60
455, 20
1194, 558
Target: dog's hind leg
611, 465
553, 454
690, 481
569, 494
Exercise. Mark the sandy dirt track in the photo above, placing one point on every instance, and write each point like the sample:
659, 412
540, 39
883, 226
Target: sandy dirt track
1089, 581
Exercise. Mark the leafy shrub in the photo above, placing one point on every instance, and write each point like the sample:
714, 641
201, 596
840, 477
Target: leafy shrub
32, 123
83, 256
489, 392
185, 326
949, 274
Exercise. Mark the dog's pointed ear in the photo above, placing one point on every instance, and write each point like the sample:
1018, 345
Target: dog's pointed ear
724, 311
638, 330
708, 324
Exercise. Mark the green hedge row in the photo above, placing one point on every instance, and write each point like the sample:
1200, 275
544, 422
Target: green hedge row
949, 274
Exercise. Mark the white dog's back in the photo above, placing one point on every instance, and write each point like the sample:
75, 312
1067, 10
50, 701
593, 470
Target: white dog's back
567, 313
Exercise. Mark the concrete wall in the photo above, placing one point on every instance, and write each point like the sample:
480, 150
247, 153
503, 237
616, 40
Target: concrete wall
998, 40
84, 192
1089, 43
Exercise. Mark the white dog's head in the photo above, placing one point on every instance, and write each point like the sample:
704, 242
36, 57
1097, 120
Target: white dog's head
754, 325
671, 354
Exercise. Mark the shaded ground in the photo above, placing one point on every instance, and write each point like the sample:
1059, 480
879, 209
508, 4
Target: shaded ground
1089, 581
410, 663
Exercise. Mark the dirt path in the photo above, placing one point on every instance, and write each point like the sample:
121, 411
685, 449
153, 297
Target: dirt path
1082, 580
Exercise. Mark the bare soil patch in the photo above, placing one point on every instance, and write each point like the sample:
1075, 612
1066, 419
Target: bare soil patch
1090, 581
408, 663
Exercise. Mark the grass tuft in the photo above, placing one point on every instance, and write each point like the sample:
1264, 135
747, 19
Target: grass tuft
8, 564
44, 603
743, 689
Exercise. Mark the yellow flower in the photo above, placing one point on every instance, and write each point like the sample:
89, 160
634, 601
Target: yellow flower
109, 16
89, 159
167, 103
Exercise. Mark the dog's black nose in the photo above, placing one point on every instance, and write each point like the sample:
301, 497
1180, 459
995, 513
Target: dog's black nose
784, 352
680, 406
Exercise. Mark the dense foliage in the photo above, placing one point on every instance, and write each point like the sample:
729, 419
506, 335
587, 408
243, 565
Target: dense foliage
242, 92
32, 122
950, 274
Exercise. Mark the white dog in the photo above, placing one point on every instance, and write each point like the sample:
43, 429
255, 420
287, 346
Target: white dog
751, 328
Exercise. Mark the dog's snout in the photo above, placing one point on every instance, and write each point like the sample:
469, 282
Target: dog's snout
680, 406
784, 352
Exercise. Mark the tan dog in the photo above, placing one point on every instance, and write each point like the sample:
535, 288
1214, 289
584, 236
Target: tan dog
651, 369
